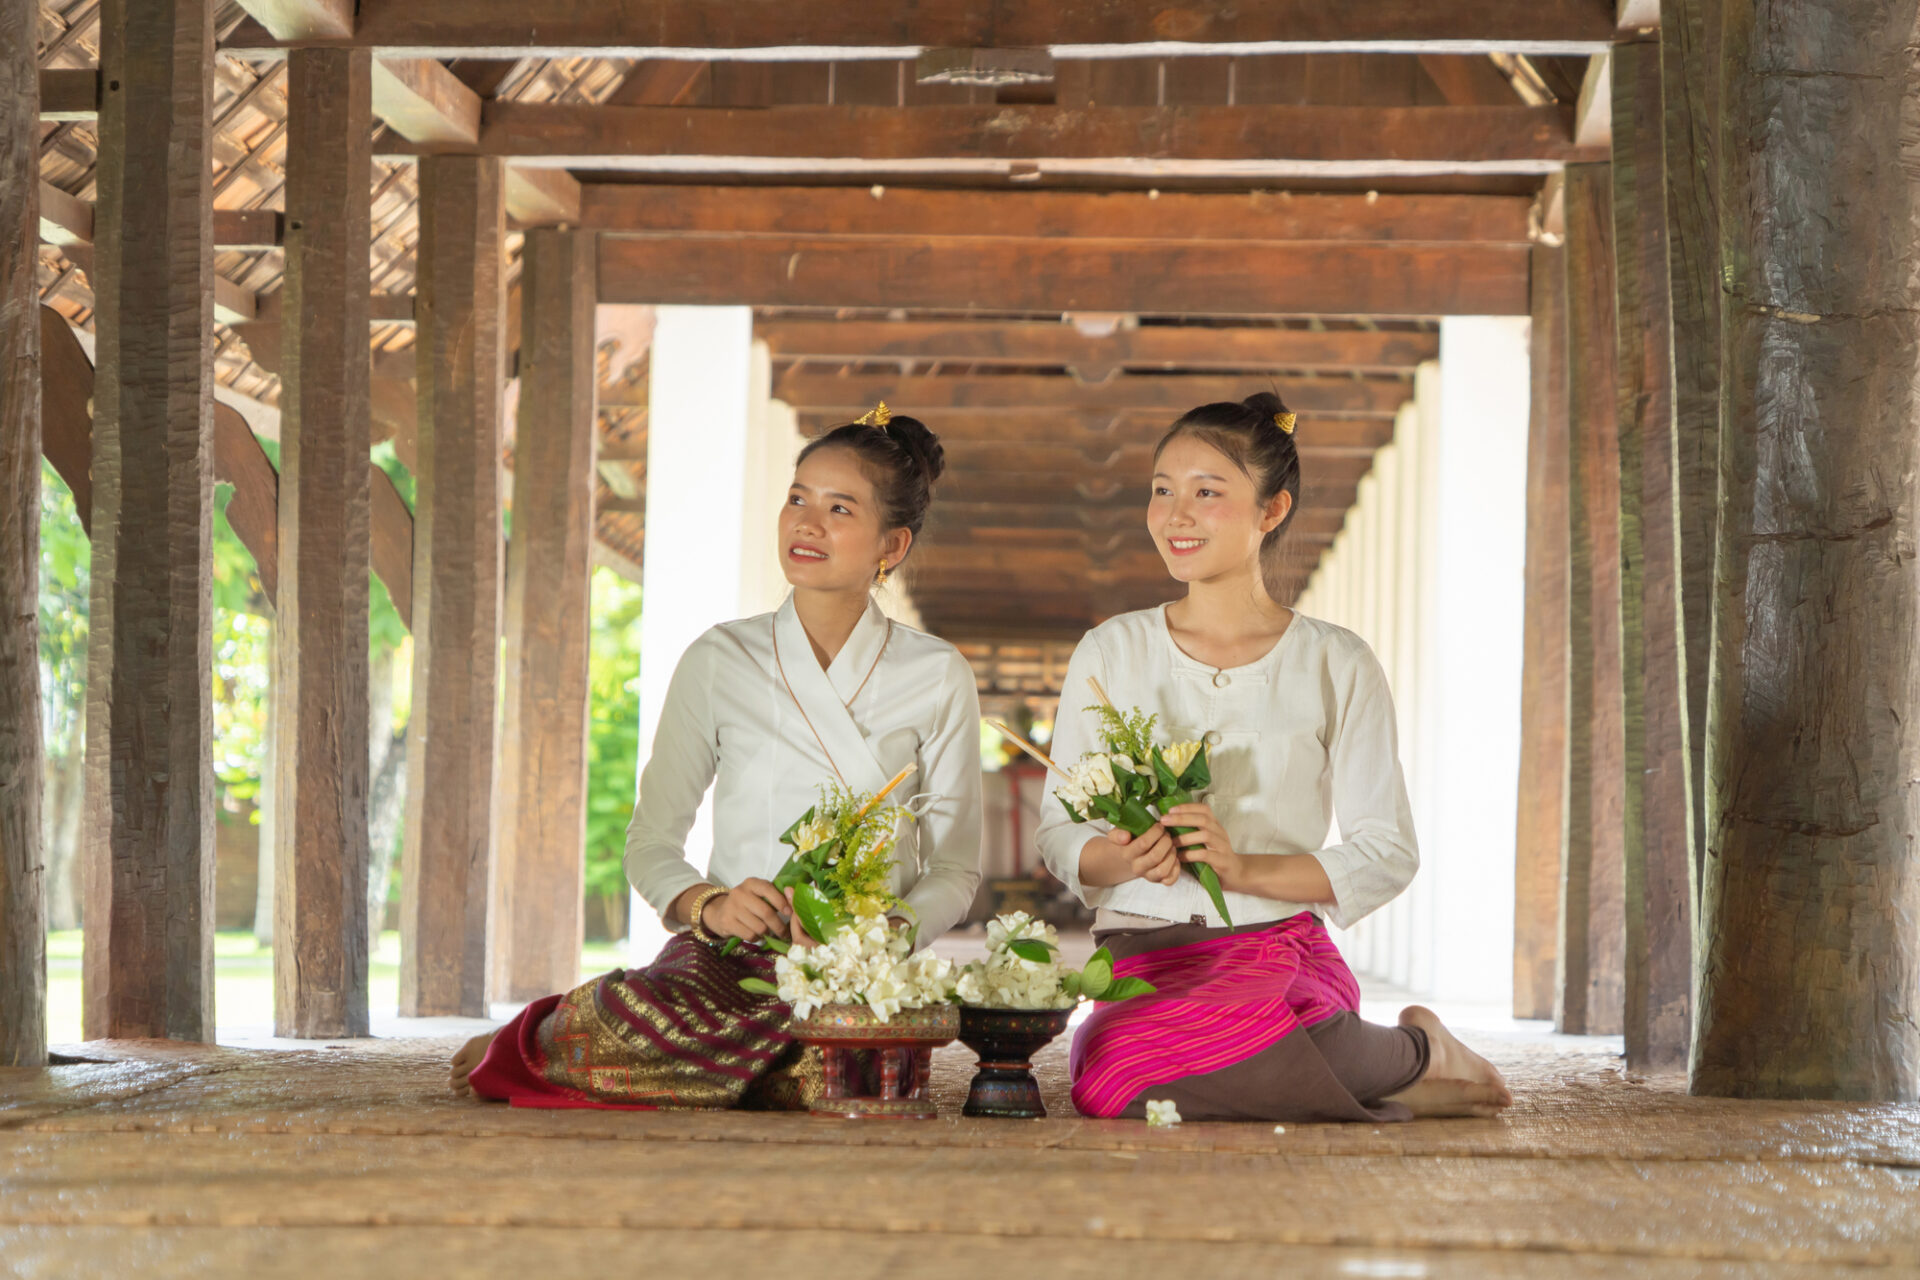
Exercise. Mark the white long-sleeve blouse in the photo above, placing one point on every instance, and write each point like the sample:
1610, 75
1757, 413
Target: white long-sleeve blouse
1299, 735
730, 721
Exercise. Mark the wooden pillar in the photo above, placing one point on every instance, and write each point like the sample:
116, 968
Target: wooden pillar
1659, 936
23, 913
1811, 910
543, 748
1540, 831
1690, 105
448, 856
1590, 978
320, 744
149, 909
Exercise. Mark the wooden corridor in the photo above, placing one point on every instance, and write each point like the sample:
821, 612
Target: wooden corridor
353, 1160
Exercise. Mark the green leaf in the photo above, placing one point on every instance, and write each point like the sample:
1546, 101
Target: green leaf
1127, 988
1133, 816
759, 987
1096, 977
1210, 881
1070, 983
730, 946
817, 914
1165, 775
779, 946
1073, 813
1038, 950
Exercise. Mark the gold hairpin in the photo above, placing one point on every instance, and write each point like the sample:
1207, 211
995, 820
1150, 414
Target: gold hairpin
878, 416
1285, 422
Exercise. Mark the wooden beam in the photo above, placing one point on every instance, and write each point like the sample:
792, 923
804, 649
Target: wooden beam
69, 94
248, 228
253, 512
1540, 827
66, 410
456, 582
64, 219
1107, 492
23, 899
1808, 978
1469, 80
542, 197
1094, 358
1690, 93
1659, 916
1083, 28
1241, 217
1243, 142
1065, 275
392, 549
149, 821
1100, 432
303, 19
320, 757
1023, 393
68, 220
1592, 993
954, 520
661, 82
542, 854
422, 101
1593, 113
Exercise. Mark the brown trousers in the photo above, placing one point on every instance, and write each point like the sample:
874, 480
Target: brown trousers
1343, 1068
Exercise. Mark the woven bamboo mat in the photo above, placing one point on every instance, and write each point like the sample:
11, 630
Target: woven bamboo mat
215, 1161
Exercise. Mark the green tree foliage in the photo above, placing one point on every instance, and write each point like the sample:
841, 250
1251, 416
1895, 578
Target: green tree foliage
613, 744
65, 580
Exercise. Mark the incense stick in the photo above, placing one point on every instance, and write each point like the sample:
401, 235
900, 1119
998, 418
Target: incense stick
1100, 693
898, 778
1026, 746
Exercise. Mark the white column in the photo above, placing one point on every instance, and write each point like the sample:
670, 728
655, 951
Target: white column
1479, 529
705, 488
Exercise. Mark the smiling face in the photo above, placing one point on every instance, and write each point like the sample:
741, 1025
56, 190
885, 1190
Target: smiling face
830, 534
1205, 514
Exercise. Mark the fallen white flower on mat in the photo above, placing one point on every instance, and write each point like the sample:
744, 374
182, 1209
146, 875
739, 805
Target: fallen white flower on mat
1162, 1114
1279, 1128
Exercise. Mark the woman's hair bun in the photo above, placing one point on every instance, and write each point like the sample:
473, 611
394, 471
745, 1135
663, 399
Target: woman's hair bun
1266, 404
919, 444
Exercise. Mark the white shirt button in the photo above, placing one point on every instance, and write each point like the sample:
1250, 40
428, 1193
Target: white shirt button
1213, 737
1221, 679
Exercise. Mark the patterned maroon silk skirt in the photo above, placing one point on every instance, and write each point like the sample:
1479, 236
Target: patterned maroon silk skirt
678, 1034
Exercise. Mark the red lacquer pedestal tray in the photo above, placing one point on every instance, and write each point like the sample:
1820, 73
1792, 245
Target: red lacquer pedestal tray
901, 1049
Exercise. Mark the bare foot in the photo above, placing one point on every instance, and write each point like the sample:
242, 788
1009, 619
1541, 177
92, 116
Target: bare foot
467, 1059
1458, 1082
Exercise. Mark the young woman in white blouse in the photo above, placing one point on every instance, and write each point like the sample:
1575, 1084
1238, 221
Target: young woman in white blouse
765, 710
1257, 1021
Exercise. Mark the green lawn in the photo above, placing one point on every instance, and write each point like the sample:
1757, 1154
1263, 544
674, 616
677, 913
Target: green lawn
243, 979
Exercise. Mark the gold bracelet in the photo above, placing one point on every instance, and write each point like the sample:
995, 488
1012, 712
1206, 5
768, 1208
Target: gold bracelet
700, 901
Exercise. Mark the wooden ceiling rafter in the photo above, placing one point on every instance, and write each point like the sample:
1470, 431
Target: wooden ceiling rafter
1082, 28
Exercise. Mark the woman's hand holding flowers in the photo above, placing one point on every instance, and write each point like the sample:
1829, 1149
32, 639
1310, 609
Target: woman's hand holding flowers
1208, 843
1125, 856
751, 910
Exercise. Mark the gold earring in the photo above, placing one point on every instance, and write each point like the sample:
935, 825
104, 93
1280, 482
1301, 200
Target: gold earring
881, 581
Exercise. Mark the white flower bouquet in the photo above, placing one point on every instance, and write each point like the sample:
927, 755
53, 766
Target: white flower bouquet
865, 961
1133, 781
841, 875
1022, 971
